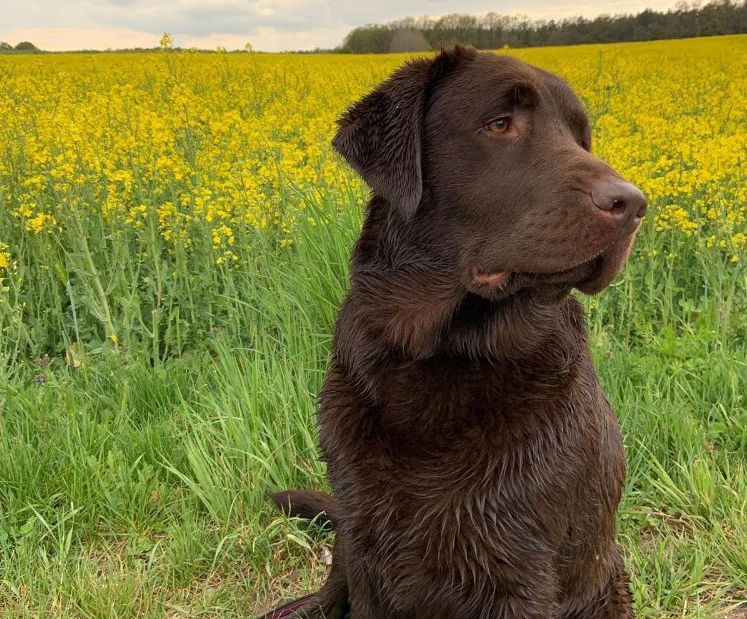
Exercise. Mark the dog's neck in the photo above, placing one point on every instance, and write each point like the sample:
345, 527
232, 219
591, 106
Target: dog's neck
417, 309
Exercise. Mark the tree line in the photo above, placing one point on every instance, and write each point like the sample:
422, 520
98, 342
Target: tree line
23, 46
493, 31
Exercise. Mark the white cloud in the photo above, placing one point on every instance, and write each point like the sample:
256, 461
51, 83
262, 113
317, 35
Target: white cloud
60, 39
270, 25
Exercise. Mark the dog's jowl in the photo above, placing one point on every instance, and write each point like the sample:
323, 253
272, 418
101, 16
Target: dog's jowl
475, 463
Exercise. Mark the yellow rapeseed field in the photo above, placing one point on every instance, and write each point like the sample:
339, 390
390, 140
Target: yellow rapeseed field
196, 152
229, 141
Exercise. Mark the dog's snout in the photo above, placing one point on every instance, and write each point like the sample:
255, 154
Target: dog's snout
619, 197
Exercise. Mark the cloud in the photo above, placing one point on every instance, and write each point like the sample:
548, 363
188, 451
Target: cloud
270, 25
60, 39
264, 38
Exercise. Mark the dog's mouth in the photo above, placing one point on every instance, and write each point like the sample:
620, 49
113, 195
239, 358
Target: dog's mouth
590, 275
606, 267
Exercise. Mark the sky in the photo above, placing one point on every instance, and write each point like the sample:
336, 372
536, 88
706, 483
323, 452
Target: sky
269, 25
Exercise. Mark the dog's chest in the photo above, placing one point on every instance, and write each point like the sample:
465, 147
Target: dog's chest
480, 402
478, 468
440, 429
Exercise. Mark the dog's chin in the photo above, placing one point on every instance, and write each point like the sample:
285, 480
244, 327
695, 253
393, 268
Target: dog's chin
609, 264
545, 289
590, 276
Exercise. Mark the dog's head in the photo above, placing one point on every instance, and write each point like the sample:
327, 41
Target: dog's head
489, 159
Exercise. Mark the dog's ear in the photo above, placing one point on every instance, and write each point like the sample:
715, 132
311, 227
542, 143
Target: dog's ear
381, 135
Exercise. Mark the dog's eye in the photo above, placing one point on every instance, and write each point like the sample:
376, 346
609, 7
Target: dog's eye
499, 125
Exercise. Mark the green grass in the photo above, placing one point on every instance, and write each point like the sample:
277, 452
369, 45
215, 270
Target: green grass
133, 485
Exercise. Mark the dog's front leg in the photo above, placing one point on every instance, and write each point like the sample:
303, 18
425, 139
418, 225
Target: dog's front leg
531, 593
614, 601
520, 608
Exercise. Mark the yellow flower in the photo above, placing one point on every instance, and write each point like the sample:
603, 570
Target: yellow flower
4, 257
40, 223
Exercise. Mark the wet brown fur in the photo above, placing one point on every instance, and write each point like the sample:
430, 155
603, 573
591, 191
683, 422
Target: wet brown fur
475, 463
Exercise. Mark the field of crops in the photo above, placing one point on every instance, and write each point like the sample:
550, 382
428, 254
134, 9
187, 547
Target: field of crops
174, 234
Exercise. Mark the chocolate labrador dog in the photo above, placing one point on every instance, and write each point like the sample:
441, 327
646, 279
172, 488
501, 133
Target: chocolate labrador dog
475, 463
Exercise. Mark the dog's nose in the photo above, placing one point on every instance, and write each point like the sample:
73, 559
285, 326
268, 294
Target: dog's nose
619, 197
